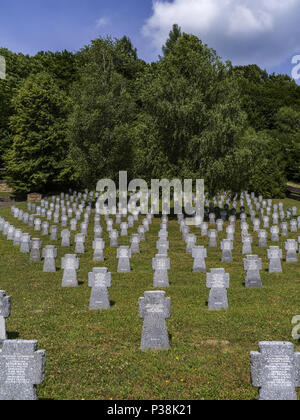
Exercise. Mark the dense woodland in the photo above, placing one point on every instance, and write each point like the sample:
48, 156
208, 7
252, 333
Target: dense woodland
70, 119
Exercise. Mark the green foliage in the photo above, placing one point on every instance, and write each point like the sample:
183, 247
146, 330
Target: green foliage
34, 162
174, 35
103, 109
190, 115
266, 169
263, 95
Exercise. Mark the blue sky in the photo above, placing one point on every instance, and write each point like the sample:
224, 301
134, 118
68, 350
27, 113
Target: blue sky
264, 32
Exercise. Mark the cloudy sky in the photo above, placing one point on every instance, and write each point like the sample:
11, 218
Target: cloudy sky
264, 32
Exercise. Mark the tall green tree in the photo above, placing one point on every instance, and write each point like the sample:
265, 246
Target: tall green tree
190, 115
34, 161
103, 109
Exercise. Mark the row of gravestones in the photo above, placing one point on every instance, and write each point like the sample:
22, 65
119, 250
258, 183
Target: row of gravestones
152, 319
275, 369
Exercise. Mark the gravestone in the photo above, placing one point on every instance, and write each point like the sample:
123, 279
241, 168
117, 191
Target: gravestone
4, 313
79, 241
25, 243
99, 281
22, 367
213, 238
49, 255
190, 242
162, 247
135, 243
17, 237
291, 250
262, 238
36, 245
124, 255
275, 369
114, 235
218, 283
199, 254
274, 254
252, 265
274, 233
65, 238
226, 247
98, 247
154, 308
161, 264
70, 265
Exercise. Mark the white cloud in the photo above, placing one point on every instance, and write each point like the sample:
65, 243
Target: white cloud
265, 32
103, 21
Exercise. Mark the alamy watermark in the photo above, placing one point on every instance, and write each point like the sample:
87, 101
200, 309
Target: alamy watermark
144, 200
2, 67
296, 68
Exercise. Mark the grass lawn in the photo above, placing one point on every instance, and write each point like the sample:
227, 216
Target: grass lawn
95, 354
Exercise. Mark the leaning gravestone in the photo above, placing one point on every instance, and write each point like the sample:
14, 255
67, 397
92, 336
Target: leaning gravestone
4, 313
218, 283
22, 367
155, 308
275, 369
99, 281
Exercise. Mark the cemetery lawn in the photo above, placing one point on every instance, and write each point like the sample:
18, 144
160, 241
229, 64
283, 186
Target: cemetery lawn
95, 354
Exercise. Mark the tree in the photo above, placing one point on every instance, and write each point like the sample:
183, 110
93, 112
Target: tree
174, 35
190, 115
103, 109
34, 161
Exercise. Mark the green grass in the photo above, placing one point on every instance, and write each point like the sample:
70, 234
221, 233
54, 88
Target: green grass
95, 354
293, 184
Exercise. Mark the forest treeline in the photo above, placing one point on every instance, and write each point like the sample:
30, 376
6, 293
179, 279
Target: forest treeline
69, 119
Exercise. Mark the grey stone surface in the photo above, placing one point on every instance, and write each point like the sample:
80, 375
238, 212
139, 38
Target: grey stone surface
22, 367
70, 265
49, 254
79, 243
218, 283
161, 264
4, 313
155, 308
114, 235
190, 242
275, 370
247, 245
53, 233
291, 250
124, 255
162, 247
213, 238
65, 235
17, 237
252, 265
274, 254
199, 254
99, 281
98, 247
262, 238
25, 243
135, 243
35, 249
227, 247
